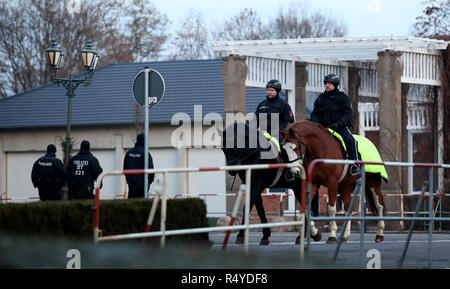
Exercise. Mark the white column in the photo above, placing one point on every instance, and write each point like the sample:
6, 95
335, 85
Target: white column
291, 92
344, 78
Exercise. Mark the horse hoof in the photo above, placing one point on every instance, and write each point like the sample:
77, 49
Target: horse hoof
297, 240
344, 240
331, 240
264, 242
379, 239
239, 240
317, 237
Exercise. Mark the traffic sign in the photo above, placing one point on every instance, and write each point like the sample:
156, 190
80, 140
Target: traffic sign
156, 88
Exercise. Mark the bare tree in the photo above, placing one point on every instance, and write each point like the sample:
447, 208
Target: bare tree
435, 20
299, 22
247, 25
295, 21
191, 39
121, 32
145, 31
26, 30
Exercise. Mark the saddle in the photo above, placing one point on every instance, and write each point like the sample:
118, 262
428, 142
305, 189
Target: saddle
367, 151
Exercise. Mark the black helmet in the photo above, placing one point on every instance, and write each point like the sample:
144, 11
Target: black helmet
275, 84
331, 78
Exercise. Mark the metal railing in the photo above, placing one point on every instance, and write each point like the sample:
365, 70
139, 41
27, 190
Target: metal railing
163, 232
305, 209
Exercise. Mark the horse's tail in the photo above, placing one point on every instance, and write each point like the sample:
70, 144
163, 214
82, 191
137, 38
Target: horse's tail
370, 201
373, 180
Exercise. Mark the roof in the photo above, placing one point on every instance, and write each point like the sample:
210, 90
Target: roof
333, 48
109, 100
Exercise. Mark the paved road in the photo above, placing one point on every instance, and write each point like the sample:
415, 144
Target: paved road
282, 253
349, 255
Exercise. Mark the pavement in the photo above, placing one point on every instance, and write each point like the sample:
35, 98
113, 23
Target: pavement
384, 255
25, 252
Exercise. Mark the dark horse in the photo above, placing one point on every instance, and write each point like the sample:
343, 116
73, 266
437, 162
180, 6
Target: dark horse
315, 142
243, 146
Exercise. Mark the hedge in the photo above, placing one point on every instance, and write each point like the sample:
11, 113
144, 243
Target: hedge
76, 218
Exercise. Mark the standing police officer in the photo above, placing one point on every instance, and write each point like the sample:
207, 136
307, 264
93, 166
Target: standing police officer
49, 175
333, 109
274, 104
82, 171
135, 160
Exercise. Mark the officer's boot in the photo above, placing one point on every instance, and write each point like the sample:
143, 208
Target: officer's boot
353, 155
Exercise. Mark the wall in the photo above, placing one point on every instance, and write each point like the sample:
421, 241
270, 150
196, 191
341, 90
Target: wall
20, 148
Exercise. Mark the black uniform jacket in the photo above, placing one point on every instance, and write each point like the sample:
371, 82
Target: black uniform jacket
82, 171
333, 107
49, 175
134, 160
271, 106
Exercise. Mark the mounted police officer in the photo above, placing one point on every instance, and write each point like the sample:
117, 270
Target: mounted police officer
135, 160
82, 171
333, 109
49, 175
274, 104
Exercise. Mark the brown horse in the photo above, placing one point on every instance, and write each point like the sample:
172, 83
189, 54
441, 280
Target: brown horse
313, 141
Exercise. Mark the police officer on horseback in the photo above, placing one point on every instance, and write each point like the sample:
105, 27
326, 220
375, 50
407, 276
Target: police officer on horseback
274, 104
49, 175
333, 109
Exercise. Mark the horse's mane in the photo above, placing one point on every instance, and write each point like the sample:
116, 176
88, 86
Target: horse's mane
308, 127
237, 126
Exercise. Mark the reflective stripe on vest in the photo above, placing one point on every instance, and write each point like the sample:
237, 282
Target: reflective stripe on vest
272, 139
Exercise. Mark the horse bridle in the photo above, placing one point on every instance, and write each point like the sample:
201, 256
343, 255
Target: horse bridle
300, 141
301, 158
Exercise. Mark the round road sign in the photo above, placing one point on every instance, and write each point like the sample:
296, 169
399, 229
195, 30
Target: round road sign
156, 88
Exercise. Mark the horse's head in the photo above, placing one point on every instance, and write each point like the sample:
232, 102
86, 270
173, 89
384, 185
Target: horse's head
294, 146
238, 145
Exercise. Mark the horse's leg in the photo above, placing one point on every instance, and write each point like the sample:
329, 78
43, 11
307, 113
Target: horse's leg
262, 216
255, 196
346, 196
240, 236
315, 233
332, 196
378, 200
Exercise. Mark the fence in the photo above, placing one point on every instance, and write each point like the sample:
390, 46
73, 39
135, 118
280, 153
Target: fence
306, 195
306, 199
5, 200
163, 232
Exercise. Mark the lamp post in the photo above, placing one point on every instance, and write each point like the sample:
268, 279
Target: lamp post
55, 58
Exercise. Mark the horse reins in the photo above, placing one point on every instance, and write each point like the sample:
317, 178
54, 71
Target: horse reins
240, 161
300, 141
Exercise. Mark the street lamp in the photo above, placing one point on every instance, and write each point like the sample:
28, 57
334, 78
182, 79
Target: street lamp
55, 58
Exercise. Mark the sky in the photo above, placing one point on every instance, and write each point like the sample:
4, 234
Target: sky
364, 18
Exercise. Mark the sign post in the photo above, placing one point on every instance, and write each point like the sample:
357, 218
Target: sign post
148, 91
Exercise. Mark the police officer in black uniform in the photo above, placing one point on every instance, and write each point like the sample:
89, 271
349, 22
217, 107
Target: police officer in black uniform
333, 109
274, 104
82, 171
135, 160
49, 175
